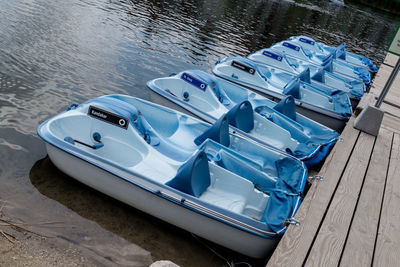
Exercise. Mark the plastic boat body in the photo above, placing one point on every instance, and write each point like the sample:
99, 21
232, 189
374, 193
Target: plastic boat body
308, 73
328, 62
339, 2
340, 52
275, 125
331, 109
169, 165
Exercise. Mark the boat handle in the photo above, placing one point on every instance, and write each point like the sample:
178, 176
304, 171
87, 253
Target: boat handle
96, 137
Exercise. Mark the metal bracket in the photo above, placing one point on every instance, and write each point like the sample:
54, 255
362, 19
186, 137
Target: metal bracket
293, 221
317, 177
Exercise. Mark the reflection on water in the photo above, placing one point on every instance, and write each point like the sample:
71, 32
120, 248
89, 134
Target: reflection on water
163, 240
54, 53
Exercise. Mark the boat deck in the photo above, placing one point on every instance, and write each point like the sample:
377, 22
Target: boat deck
352, 217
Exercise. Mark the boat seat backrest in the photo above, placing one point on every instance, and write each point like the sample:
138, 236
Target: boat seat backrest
287, 107
293, 88
305, 75
241, 116
129, 111
219, 132
340, 52
193, 177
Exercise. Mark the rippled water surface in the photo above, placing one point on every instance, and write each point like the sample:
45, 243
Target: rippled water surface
54, 53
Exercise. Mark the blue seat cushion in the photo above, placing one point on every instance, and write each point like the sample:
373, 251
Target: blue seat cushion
287, 107
241, 116
219, 132
193, 177
293, 88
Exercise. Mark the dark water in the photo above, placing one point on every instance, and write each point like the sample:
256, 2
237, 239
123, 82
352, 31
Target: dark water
54, 53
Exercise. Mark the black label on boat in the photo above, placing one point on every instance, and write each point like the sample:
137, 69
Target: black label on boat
193, 81
272, 55
243, 67
291, 46
109, 117
306, 41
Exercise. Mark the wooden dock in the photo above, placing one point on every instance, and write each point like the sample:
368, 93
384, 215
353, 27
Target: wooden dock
352, 217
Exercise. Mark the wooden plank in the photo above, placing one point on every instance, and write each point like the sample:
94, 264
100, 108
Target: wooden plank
360, 242
391, 123
294, 246
395, 89
387, 252
367, 99
328, 245
380, 79
393, 96
390, 109
391, 59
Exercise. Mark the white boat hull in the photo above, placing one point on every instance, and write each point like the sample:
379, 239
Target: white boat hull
120, 188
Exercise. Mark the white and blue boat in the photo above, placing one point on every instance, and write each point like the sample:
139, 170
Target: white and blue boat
332, 109
339, 2
269, 123
189, 173
309, 73
327, 61
340, 52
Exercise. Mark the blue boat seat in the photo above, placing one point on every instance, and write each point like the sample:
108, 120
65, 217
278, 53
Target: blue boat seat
234, 193
219, 132
319, 75
287, 107
213, 84
293, 88
305, 75
144, 128
238, 166
193, 176
242, 116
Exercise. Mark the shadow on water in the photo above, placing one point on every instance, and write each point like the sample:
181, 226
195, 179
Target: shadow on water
163, 240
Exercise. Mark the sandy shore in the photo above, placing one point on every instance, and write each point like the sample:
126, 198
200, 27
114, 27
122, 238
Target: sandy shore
27, 249
20, 246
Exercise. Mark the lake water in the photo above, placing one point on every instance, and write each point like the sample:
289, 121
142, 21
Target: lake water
55, 53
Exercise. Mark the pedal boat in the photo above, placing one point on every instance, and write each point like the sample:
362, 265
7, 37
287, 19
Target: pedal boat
331, 109
340, 52
308, 73
328, 62
269, 123
339, 2
241, 195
